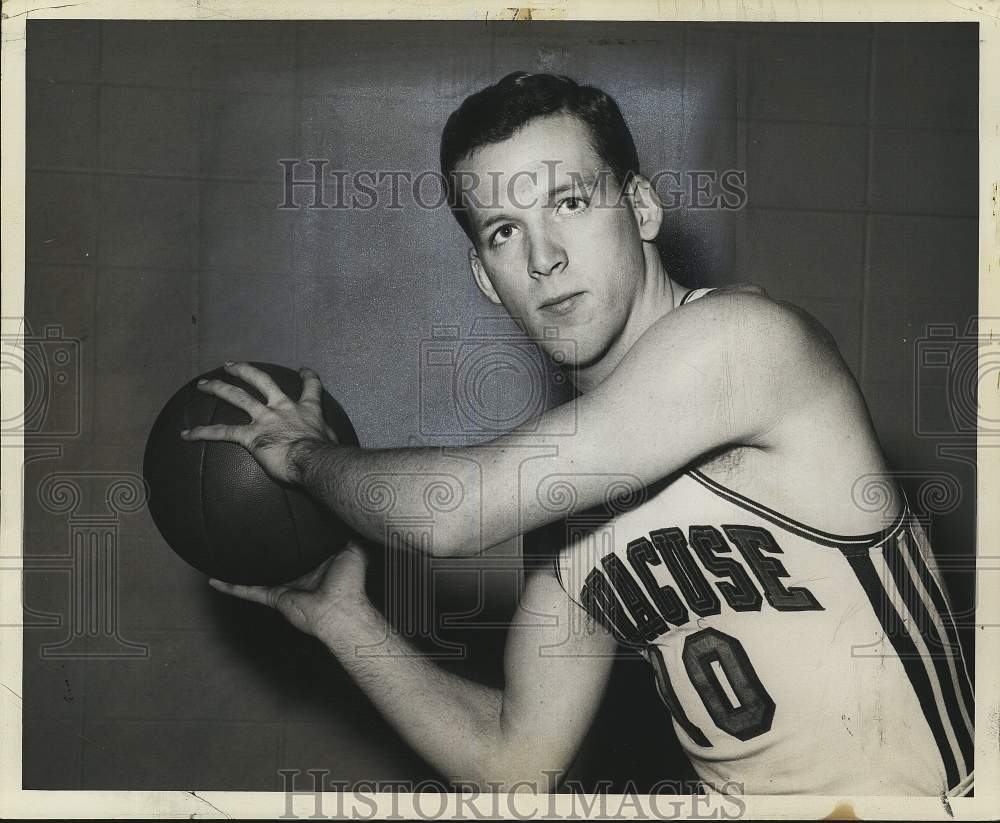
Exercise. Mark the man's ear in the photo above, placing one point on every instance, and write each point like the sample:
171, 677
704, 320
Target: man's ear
646, 206
482, 278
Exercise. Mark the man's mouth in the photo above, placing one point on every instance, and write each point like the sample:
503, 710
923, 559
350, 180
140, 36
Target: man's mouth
562, 304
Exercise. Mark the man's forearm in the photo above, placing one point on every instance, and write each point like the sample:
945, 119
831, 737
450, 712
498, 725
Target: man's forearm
373, 489
452, 722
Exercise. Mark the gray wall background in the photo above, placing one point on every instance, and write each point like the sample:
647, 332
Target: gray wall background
154, 239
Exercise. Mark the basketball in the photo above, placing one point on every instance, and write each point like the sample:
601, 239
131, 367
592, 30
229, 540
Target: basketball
218, 509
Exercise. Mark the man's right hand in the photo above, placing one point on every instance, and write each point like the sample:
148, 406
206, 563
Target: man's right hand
278, 427
313, 602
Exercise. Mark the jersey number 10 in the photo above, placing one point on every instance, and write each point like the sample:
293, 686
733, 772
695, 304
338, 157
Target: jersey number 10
753, 711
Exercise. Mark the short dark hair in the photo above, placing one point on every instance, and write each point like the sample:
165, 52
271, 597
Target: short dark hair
497, 112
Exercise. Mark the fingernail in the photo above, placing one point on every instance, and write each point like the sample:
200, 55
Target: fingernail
203, 380
185, 432
230, 363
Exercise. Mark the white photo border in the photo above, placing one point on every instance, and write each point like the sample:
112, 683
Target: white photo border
17, 803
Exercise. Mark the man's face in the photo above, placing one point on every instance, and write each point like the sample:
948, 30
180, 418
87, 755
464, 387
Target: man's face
554, 252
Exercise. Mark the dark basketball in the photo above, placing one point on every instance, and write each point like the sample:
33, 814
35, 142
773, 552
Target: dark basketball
215, 505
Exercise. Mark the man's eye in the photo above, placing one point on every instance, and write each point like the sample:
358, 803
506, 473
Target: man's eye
502, 235
572, 205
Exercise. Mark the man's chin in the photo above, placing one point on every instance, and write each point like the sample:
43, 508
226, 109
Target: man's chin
574, 352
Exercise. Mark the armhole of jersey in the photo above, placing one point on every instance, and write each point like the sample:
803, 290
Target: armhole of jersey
839, 541
694, 294
562, 584
555, 567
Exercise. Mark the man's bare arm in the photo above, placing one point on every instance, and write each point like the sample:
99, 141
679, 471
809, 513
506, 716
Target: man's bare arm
723, 371
526, 732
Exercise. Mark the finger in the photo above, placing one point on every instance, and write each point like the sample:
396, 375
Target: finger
259, 380
232, 394
312, 388
354, 547
255, 594
219, 431
308, 580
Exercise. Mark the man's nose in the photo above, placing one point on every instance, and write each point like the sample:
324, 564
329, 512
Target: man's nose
546, 257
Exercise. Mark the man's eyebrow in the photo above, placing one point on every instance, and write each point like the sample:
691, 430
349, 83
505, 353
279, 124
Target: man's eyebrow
585, 181
490, 221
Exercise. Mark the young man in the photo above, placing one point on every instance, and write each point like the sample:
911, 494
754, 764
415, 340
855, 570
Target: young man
800, 641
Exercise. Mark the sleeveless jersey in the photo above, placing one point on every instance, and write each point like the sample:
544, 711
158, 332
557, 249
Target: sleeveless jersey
793, 661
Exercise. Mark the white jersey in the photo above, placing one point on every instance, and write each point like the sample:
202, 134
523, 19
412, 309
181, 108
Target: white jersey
793, 661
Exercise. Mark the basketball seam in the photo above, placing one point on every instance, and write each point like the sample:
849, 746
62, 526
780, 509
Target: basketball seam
201, 491
295, 526
291, 514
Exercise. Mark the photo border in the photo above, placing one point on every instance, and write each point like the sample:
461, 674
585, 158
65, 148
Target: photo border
15, 802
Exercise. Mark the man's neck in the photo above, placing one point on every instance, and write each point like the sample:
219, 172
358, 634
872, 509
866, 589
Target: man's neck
658, 296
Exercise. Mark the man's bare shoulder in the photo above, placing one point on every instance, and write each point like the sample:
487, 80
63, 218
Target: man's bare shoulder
739, 342
747, 321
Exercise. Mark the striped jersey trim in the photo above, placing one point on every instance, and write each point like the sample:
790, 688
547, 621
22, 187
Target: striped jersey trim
914, 616
794, 526
965, 787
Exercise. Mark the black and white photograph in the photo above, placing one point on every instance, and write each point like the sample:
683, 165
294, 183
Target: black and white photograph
567, 417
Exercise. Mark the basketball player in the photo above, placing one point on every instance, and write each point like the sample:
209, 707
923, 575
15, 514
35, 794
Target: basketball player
802, 643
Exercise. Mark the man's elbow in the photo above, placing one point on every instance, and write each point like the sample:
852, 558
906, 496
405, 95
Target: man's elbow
458, 539
506, 762
450, 542
520, 772
439, 539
